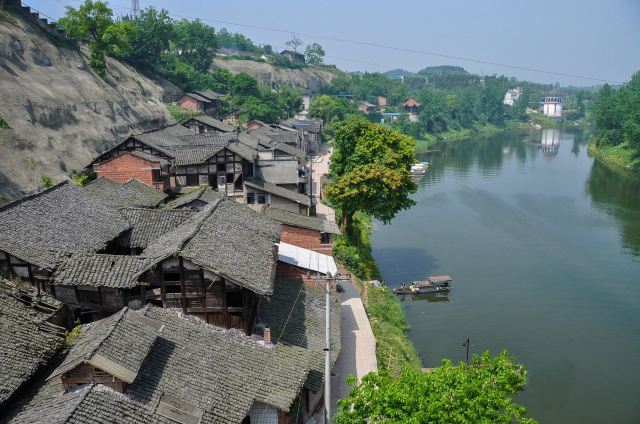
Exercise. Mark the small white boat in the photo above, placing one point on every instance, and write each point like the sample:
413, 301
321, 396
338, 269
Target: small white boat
419, 168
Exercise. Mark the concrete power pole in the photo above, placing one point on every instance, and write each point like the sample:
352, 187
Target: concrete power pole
327, 353
135, 8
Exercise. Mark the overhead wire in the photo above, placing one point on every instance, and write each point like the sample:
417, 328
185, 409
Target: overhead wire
389, 47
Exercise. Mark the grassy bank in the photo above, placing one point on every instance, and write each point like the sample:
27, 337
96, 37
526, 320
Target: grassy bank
424, 144
394, 351
621, 156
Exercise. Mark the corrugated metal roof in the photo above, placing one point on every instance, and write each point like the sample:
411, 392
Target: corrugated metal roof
307, 259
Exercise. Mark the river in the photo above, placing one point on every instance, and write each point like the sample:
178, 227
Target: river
543, 244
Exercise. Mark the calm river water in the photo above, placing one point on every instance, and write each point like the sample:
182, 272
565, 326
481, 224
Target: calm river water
543, 245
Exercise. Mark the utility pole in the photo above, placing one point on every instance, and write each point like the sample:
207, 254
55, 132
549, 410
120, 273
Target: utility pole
135, 8
327, 354
467, 344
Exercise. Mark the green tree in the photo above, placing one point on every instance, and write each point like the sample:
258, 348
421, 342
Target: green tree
370, 170
194, 43
254, 108
314, 54
93, 21
520, 107
479, 393
327, 108
150, 35
289, 100
244, 86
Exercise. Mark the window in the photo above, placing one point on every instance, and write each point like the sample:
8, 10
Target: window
192, 180
230, 178
213, 182
234, 300
221, 167
251, 198
238, 184
201, 128
325, 238
262, 199
155, 176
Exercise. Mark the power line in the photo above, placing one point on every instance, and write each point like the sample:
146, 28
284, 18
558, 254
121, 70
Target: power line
401, 49
395, 48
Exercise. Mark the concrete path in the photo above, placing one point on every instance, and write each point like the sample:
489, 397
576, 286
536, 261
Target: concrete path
319, 167
358, 353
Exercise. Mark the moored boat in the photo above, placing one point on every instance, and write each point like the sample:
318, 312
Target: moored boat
419, 168
433, 284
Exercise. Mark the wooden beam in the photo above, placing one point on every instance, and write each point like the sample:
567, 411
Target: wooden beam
183, 300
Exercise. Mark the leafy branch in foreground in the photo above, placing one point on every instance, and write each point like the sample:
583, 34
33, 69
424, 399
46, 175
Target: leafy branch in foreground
479, 393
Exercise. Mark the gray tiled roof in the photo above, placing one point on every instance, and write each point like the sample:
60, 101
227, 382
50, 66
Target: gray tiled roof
91, 404
220, 371
118, 344
24, 345
147, 225
65, 219
198, 97
302, 199
101, 270
203, 194
193, 155
297, 220
229, 239
213, 122
296, 315
209, 94
133, 193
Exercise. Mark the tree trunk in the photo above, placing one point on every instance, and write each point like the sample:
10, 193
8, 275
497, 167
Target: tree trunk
347, 218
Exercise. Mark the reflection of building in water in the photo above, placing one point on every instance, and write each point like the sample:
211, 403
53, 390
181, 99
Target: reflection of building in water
550, 142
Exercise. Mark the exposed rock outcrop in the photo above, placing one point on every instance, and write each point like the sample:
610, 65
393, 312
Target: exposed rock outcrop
306, 78
61, 113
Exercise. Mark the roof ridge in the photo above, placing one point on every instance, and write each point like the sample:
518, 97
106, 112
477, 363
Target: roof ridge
33, 195
122, 313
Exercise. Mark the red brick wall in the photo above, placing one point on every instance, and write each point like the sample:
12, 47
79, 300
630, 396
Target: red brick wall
125, 167
189, 103
304, 237
284, 269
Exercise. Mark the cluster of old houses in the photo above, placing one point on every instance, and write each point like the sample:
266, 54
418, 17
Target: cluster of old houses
411, 108
205, 307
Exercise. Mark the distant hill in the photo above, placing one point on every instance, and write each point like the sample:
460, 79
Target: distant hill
443, 70
397, 73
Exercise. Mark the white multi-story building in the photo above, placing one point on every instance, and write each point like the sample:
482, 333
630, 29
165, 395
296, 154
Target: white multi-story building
552, 105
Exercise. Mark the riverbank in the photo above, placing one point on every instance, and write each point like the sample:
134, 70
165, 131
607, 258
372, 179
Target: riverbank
537, 120
620, 156
394, 351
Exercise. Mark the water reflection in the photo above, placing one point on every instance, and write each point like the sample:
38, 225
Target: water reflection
550, 141
618, 194
428, 297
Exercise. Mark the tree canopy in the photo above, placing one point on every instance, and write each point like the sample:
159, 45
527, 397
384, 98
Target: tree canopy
93, 21
195, 43
479, 393
616, 114
370, 170
314, 54
151, 32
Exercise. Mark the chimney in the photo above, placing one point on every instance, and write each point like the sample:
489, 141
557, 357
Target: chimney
266, 334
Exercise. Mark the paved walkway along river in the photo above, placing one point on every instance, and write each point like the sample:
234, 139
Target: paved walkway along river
358, 353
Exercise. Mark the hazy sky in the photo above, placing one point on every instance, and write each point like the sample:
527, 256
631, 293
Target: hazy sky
599, 39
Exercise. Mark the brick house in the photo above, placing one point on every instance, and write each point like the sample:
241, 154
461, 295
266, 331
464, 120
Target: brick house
206, 102
305, 231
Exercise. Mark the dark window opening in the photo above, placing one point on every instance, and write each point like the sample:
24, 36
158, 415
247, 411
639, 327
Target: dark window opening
171, 276
213, 181
238, 184
192, 180
155, 176
251, 198
172, 289
302, 188
325, 238
262, 199
221, 167
234, 300
201, 128
230, 178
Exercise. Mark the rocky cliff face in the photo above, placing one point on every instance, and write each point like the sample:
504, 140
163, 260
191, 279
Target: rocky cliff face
307, 78
61, 113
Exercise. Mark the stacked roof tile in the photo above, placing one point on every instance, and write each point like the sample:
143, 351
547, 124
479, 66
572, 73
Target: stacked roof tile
297, 220
302, 199
66, 219
147, 225
133, 193
25, 343
101, 270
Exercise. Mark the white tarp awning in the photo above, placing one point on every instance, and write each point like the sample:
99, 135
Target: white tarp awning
307, 259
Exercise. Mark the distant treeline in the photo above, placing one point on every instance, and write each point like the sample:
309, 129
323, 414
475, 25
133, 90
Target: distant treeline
450, 97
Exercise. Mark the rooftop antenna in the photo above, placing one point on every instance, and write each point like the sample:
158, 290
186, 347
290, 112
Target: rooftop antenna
135, 8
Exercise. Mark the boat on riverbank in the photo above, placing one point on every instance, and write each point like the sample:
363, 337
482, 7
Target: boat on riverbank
433, 284
419, 168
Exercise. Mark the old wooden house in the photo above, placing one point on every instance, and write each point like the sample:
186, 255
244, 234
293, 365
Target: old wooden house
305, 231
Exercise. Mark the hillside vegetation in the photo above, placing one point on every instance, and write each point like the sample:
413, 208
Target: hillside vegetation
61, 114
